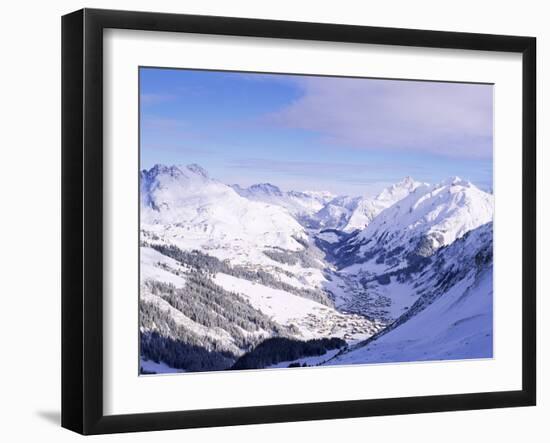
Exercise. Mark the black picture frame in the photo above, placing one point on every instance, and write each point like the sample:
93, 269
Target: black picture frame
82, 218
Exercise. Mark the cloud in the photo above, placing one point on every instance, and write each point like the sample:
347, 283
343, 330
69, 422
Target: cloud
450, 119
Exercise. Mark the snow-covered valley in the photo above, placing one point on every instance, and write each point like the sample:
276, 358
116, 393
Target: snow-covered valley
312, 277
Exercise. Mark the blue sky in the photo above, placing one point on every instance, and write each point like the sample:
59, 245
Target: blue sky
348, 136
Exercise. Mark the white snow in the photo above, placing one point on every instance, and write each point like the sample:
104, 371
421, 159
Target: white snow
371, 267
187, 208
456, 320
368, 208
336, 213
296, 203
150, 268
329, 237
456, 326
443, 213
158, 368
282, 306
215, 334
183, 206
312, 319
402, 295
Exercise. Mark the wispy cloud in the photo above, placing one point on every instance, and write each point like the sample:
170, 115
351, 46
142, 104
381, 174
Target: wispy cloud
451, 119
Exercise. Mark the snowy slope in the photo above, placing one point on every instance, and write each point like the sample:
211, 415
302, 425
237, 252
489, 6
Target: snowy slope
224, 268
452, 318
368, 208
458, 326
184, 206
216, 326
336, 213
307, 319
377, 268
428, 218
158, 267
297, 203
219, 336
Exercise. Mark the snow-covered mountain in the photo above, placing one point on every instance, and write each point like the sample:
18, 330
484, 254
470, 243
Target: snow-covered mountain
199, 313
324, 210
255, 260
368, 208
349, 214
225, 269
297, 203
185, 207
430, 217
452, 313
378, 267
335, 214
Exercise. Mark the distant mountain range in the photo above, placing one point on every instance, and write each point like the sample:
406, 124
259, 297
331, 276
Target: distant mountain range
304, 203
225, 268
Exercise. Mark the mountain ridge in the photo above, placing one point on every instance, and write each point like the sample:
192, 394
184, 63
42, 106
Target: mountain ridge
298, 264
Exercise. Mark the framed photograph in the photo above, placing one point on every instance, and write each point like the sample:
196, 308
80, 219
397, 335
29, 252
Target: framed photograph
269, 221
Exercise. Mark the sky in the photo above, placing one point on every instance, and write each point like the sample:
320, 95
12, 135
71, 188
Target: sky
351, 136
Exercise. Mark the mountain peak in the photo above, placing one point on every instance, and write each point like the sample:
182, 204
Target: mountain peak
368, 208
399, 190
174, 171
407, 183
455, 180
197, 169
160, 169
266, 188
408, 180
